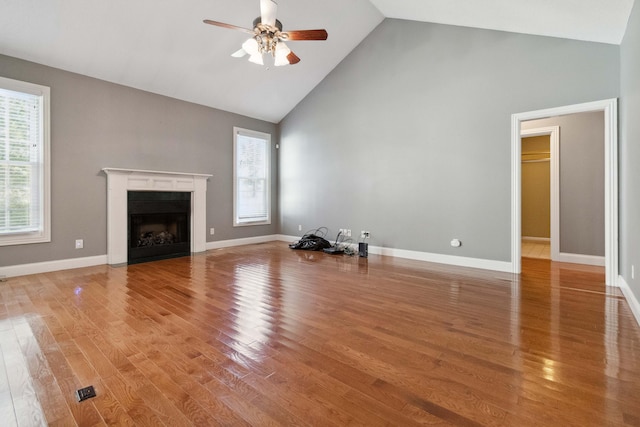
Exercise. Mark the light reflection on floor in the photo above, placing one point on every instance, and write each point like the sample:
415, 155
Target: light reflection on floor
19, 349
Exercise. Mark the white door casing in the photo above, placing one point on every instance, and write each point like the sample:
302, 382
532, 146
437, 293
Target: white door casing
610, 109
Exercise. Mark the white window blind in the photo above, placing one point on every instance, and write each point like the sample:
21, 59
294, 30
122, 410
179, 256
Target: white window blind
251, 177
23, 143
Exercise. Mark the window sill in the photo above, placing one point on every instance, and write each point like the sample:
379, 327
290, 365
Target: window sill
249, 223
24, 239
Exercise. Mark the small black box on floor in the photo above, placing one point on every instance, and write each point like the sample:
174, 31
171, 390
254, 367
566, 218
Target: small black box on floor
363, 249
85, 393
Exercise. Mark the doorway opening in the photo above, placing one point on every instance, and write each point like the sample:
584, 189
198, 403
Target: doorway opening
540, 192
609, 108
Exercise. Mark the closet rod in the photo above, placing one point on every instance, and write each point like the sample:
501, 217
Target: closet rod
536, 160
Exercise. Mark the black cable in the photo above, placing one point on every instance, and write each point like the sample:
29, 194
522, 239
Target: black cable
318, 232
321, 231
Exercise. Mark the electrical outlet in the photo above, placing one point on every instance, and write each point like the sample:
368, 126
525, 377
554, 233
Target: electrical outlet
633, 272
365, 234
212, 231
349, 233
79, 244
300, 227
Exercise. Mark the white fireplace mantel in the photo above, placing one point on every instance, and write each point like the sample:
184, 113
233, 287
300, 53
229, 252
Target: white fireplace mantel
120, 181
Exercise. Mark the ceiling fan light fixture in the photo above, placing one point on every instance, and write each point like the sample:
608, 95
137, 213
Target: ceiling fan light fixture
256, 58
239, 53
251, 46
281, 54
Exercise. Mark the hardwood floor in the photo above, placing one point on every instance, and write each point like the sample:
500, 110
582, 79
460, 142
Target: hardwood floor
264, 335
536, 249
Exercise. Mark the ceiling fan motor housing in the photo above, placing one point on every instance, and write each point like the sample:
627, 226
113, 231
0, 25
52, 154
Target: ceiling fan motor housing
267, 36
258, 21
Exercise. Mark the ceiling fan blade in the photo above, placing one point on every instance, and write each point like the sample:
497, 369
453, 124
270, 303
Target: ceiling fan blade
232, 27
239, 53
304, 35
293, 58
268, 9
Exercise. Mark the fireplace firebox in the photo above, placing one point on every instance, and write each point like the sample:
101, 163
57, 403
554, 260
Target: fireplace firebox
159, 225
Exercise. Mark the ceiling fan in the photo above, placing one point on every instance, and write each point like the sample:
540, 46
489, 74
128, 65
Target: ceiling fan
268, 37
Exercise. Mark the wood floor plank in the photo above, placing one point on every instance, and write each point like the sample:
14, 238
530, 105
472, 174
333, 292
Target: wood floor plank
132, 403
27, 408
263, 335
7, 413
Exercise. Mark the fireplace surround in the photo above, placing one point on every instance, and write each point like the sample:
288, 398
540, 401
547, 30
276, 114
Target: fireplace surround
121, 181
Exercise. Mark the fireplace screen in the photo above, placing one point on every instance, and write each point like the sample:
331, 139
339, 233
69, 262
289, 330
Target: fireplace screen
159, 225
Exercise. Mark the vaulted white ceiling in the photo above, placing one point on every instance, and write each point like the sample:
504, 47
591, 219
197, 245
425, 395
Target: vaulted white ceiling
162, 46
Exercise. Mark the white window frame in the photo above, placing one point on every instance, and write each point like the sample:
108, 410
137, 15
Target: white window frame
237, 222
43, 234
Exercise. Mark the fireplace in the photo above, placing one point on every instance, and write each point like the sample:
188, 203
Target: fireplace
158, 223
121, 182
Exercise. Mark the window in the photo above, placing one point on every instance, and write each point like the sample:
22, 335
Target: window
251, 177
24, 163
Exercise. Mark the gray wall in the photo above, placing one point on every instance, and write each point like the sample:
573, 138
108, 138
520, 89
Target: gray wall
95, 124
630, 153
409, 137
581, 181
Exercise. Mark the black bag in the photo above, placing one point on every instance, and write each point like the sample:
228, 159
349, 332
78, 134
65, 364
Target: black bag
311, 242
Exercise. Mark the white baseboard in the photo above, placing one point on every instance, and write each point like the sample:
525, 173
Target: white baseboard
458, 261
285, 238
45, 267
485, 264
241, 242
48, 266
631, 298
581, 259
67, 264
